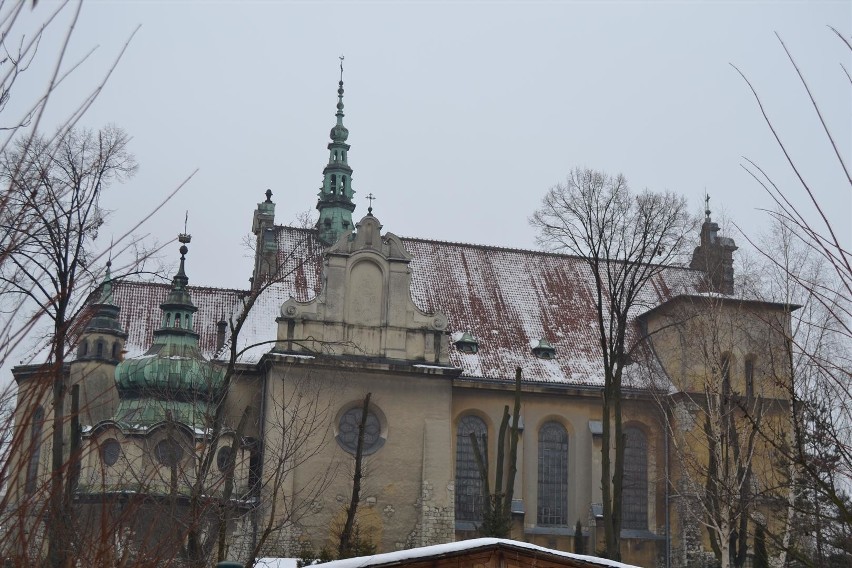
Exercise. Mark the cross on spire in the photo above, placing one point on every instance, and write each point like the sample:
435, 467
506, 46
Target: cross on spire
370, 197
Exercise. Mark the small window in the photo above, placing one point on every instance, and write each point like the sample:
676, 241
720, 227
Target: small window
110, 451
177, 320
749, 377
35, 449
115, 350
168, 452
100, 349
84, 349
726, 374
222, 457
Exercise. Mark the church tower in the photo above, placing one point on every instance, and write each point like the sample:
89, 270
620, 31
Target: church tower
100, 349
714, 256
335, 197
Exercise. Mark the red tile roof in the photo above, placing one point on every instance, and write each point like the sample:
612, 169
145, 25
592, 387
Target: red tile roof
507, 298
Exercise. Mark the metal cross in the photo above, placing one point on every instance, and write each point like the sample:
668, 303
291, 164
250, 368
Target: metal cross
341, 68
371, 197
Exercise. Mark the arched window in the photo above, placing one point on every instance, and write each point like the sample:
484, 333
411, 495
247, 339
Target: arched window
83, 349
177, 320
749, 376
99, 351
35, 449
333, 183
726, 374
635, 497
469, 497
115, 350
553, 475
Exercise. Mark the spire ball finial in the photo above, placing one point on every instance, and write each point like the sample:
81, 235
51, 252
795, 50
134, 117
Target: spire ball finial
370, 197
268, 195
341, 69
707, 205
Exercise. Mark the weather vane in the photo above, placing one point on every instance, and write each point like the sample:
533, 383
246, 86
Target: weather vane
370, 197
185, 237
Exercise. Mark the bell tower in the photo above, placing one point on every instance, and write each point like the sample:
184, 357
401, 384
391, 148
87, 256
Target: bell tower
335, 197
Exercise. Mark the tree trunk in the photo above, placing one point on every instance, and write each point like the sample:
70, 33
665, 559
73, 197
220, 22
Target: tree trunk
344, 550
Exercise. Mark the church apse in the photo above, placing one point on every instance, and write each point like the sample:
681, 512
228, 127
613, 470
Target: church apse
365, 306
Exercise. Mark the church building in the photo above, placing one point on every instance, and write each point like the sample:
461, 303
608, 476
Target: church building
181, 384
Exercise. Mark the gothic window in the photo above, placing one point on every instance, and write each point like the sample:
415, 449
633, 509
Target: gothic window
469, 497
553, 474
110, 451
749, 376
635, 497
347, 431
35, 449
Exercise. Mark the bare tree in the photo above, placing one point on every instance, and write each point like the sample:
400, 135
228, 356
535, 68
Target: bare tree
54, 191
625, 239
822, 332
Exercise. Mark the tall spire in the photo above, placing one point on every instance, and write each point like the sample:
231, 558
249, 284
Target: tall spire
335, 197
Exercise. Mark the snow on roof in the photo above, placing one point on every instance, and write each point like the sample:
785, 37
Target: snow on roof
507, 298
426, 552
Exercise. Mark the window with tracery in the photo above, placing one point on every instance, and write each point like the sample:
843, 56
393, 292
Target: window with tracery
553, 475
635, 495
469, 494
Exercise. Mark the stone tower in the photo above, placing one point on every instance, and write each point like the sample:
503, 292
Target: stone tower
715, 256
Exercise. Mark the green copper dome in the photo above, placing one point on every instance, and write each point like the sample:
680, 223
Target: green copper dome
172, 380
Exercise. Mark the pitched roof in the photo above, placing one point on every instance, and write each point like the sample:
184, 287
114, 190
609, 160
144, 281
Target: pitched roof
521, 554
507, 298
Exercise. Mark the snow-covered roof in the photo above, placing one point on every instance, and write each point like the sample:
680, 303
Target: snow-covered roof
506, 298
450, 549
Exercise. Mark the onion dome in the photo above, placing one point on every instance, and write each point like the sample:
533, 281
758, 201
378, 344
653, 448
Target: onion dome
172, 380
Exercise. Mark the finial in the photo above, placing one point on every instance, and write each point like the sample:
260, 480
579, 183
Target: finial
370, 197
341, 69
184, 237
269, 196
706, 206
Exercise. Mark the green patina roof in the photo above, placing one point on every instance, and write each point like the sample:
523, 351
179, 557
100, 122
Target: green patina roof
335, 197
172, 380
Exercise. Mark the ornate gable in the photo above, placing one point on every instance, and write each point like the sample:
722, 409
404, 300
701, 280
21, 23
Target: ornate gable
364, 307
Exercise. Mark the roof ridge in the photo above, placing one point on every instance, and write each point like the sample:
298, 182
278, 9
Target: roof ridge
125, 282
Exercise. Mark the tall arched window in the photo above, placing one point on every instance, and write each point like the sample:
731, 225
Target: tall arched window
35, 449
553, 474
469, 497
635, 497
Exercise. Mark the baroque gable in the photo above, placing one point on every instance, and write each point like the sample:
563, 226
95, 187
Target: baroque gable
364, 306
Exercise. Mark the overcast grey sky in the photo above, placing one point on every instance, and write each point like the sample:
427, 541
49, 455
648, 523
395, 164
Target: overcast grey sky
461, 114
